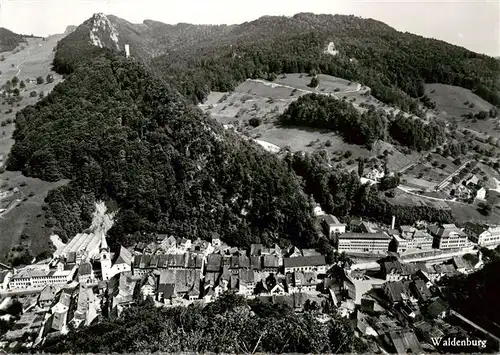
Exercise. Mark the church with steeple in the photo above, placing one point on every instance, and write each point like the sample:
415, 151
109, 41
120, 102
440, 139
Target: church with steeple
91, 248
113, 264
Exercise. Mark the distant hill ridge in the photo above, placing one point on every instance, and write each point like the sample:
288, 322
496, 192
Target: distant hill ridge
198, 59
9, 40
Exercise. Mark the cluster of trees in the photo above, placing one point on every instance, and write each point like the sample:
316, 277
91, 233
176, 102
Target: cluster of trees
123, 136
416, 134
231, 324
9, 40
323, 111
342, 194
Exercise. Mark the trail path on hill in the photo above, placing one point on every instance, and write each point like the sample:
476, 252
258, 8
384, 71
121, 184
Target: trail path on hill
18, 67
274, 85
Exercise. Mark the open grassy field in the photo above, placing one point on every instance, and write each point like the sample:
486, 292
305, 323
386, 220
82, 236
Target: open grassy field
405, 199
327, 83
25, 218
23, 221
35, 60
427, 174
451, 100
268, 100
469, 213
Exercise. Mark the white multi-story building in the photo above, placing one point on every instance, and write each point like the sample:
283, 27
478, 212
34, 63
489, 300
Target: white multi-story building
315, 263
483, 235
448, 236
41, 275
363, 242
411, 239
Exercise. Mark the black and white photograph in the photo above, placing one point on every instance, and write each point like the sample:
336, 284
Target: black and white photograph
250, 177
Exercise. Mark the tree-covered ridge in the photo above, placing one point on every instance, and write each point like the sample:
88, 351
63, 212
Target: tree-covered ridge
323, 111
416, 134
122, 135
342, 194
229, 325
9, 40
394, 64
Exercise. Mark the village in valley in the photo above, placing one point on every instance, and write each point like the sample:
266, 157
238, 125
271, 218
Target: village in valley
385, 279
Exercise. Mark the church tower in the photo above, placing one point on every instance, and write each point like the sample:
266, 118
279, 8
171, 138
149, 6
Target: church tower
105, 258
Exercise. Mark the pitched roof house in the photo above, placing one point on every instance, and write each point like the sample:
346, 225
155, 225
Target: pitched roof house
305, 263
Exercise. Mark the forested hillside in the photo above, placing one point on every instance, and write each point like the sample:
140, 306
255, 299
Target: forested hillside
9, 40
122, 135
394, 64
342, 194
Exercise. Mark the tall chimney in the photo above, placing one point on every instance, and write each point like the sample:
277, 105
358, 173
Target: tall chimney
127, 50
393, 224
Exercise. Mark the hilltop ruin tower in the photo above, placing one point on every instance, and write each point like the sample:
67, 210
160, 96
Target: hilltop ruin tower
127, 50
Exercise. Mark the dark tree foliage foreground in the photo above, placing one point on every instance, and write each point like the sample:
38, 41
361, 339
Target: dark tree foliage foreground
474, 294
229, 325
122, 135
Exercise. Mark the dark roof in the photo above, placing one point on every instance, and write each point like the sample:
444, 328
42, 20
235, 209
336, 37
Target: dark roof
124, 256
48, 293
394, 290
145, 259
85, 269
421, 290
256, 262
392, 232
194, 261
271, 261
240, 261
162, 261
214, 262
390, 266
475, 227
246, 276
445, 230
161, 237
437, 307
302, 261
153, 263
140, 246
71, 257
352, 235
405, 341
166, 289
